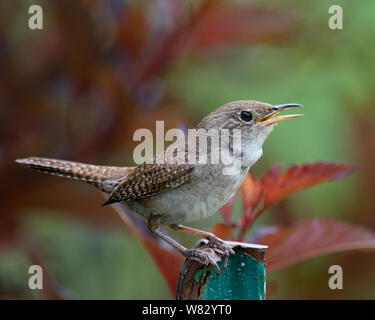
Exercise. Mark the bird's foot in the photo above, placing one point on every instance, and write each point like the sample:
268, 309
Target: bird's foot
211, 252
204, 256
222, 248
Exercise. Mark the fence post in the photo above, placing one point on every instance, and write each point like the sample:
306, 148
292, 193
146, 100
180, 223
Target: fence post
243, 279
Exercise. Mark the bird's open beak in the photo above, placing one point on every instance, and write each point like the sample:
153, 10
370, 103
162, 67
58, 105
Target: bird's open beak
270, 118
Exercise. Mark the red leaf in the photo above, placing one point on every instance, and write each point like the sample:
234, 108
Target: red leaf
278, 186
312, 238
275, 186
227, 209
251, 192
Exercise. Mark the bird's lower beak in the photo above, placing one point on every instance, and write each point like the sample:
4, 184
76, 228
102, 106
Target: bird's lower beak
270, 118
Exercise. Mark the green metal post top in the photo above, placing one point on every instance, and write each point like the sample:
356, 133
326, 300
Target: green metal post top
243, 279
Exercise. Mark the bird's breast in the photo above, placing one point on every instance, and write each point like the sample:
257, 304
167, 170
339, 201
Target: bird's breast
202, 196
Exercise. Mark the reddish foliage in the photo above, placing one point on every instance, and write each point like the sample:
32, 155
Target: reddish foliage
312, 238
227, 209
276, 185
251, 192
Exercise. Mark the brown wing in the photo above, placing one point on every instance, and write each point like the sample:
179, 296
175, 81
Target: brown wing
149, 179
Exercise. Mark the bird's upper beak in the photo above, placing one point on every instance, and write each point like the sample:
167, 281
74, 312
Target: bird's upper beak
270, 118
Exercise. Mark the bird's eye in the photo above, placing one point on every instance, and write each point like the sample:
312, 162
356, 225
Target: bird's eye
246, 116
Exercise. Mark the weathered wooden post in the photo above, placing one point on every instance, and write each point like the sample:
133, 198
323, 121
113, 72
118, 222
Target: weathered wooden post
243, 279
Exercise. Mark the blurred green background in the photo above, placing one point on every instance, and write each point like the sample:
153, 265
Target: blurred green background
99, 70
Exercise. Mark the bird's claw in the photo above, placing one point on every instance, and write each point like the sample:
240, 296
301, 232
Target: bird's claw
220, 246
211, 252
203, 256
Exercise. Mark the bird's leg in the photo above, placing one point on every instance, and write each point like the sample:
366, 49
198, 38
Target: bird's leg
214, 242
201, 256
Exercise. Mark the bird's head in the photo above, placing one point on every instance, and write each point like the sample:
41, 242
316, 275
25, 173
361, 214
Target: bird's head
255, 119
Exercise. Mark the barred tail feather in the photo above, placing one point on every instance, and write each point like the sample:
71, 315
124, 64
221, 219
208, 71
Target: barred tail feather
103, 177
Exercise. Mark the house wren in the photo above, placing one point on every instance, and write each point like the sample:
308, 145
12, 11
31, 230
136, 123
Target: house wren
170, 189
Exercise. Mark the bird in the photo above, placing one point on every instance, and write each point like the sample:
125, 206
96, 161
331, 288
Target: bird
171, 190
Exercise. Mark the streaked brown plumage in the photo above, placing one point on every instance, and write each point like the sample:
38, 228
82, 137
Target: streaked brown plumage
150, 179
